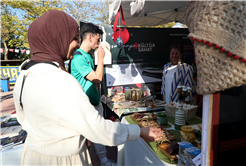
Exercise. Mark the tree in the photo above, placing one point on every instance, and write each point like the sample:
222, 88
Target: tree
103, 12
8, 25
14, 29
18, 15
89, 11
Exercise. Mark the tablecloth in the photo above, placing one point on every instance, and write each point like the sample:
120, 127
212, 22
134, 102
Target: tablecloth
12, 156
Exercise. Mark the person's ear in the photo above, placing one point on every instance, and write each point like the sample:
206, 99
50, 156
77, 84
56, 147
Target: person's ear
89, 37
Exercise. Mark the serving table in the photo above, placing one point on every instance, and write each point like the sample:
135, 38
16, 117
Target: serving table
12, 156
140, 152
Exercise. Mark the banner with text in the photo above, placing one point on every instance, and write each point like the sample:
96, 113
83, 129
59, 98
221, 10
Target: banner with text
147, 45
10, 71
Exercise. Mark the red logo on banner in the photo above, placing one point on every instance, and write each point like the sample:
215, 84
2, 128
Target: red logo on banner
11, 50
1, 50
136, 45
22, 51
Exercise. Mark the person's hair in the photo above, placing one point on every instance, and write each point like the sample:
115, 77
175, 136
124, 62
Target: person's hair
89, 28
178, 47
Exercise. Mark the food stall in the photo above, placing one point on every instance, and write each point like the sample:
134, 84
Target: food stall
138, 64
223, 111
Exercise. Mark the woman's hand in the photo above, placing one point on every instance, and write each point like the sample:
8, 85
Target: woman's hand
150, 134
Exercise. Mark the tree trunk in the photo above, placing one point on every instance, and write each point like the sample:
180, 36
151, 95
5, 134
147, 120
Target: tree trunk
6, 50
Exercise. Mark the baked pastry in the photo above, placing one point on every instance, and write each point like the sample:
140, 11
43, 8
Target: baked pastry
149, 123
173, 148
137, 116
166, 136
165, 145
118, 97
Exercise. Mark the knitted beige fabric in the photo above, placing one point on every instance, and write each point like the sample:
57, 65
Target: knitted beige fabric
222, 24
192, 12
217, 71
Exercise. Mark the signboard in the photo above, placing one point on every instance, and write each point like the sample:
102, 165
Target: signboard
13, 72
10, 71
147, 45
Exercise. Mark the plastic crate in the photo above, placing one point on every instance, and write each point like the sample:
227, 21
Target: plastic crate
5, 84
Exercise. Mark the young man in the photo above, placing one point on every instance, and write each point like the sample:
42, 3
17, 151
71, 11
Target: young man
82, 68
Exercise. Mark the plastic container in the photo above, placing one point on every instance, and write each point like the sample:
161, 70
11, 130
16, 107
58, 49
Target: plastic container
192, 153
182, 149
181, 162
5, 84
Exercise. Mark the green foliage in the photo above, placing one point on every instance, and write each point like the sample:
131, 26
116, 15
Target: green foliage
13, 29
16, 16
88, 11
32, 10
103, 12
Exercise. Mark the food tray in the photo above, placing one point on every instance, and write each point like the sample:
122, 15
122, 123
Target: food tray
171, 157
126, 104
167, 136
151, 121
118, 97
137, 119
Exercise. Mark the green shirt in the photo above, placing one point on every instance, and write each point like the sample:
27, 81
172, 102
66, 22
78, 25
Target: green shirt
81, 66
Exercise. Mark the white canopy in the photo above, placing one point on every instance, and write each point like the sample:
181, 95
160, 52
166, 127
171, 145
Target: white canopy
148, 13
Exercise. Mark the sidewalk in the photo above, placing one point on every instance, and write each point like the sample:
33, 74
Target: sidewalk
7, 102
7, 107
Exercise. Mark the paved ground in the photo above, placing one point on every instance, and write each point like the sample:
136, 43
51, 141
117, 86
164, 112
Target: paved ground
7, 107
7, 102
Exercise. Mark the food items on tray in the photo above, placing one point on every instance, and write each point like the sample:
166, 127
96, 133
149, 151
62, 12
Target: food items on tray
164, 146
118, 97
142, 104
148, 123
137, 116
170, 149
166, 136
152, 115
127, 104
173, 148
133, 94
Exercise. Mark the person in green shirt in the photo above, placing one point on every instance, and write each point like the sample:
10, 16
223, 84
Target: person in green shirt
83, 69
